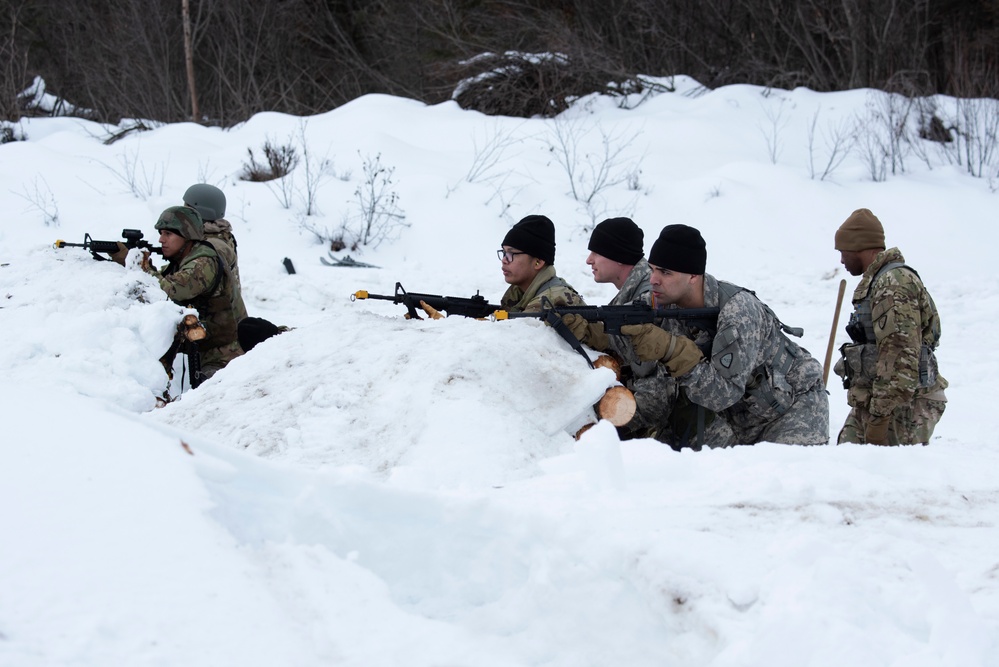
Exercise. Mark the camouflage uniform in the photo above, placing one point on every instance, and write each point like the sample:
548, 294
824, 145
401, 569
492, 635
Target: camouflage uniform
219, 234
662, 411
886, 376
766, 387
545, 284
189, 282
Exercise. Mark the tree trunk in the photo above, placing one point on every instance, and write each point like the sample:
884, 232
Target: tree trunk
189, 58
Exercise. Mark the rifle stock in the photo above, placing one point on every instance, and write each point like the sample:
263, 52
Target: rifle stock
475, 306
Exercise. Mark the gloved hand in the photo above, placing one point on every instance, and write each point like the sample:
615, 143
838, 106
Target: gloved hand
651, 343
120, 254
877, 430
587, 333
431, 312
147, 262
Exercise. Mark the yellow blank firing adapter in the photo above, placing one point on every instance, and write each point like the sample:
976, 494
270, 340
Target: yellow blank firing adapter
501, 315
359, 294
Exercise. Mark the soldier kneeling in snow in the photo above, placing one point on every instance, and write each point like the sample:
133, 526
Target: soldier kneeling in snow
196, 277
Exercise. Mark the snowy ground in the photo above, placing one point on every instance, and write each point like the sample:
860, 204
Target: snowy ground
367, 490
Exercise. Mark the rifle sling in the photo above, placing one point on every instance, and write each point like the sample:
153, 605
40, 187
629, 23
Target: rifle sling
556, 323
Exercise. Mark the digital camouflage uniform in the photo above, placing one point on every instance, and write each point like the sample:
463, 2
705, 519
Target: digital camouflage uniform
662, 412
883, 377
219, 234
765, 386
545, 284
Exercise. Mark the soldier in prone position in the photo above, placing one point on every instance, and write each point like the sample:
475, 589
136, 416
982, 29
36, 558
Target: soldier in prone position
895, 393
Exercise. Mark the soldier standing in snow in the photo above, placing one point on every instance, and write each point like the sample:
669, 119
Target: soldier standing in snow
527, 258
763, 385
197, 277
895, 393
662, 411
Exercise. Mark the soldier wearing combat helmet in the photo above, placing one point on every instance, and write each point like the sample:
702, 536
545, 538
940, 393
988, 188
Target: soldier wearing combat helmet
889, 368
197, 277
210, 203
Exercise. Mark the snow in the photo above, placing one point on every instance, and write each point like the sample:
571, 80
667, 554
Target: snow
368, 490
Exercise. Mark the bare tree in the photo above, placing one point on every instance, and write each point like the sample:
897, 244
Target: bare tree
838, 140
135, 58
13, 63
189, 60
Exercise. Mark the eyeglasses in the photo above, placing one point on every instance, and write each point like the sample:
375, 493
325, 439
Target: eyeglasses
507, 255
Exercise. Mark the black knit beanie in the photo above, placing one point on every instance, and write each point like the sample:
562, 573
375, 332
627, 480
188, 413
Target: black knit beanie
618, 239
254, 330
679, 248
535, 235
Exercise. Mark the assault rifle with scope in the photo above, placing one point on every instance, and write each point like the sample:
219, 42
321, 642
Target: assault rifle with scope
132, 239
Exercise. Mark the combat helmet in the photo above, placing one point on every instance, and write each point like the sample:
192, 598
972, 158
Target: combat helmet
184, 220
207, 199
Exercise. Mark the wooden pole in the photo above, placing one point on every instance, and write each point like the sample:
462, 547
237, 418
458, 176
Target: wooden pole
189, 58
832, 334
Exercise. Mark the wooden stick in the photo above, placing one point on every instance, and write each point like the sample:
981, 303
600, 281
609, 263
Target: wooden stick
832, 334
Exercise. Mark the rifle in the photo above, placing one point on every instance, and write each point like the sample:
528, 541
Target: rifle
190, 330
133, 239
475, 306
613, 317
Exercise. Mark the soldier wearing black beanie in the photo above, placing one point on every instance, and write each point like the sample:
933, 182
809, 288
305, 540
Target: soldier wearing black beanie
527, 261
679, 248
535, 235
618, 239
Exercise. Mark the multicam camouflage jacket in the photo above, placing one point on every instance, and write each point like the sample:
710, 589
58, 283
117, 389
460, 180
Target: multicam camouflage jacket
545, 284
763, 384
899, 365
202, 281
219, 234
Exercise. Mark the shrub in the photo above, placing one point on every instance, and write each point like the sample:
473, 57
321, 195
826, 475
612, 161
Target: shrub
280, 161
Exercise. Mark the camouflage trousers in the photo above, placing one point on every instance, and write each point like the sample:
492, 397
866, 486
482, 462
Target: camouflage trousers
911, 424
665, 413
805, 423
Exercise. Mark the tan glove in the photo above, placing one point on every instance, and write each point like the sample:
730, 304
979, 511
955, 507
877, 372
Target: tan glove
587, 333
431, 312
147, 262
120, 254
686, 356
654, 344
876, 432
